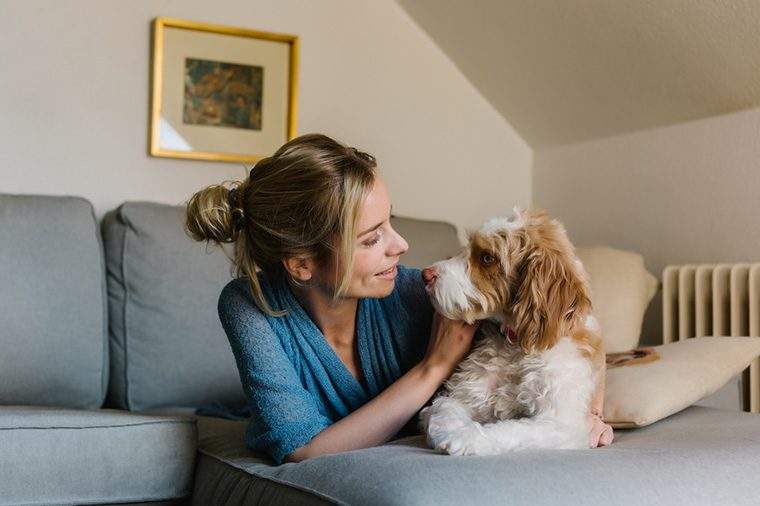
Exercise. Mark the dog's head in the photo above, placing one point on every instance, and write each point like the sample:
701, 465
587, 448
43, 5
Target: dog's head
520, 271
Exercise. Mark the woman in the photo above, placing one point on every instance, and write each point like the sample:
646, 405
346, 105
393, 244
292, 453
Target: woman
336, 343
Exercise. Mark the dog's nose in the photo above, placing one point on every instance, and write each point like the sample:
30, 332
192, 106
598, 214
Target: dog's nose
429, 274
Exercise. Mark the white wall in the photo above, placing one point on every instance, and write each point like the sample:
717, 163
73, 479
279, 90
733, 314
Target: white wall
74, 102
679, 194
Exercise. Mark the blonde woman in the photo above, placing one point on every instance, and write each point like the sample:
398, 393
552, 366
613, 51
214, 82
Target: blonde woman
336, 342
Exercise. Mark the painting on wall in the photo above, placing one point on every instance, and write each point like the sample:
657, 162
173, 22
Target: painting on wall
221, 93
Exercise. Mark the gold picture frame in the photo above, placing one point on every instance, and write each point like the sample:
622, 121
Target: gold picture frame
221, 93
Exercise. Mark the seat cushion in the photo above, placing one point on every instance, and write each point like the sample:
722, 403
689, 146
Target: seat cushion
700, 455
53, 322
58, 455
168, 347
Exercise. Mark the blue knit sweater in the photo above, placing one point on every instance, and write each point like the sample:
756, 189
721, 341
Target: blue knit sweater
295, 383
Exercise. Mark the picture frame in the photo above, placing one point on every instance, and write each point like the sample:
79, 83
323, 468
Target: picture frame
221, 93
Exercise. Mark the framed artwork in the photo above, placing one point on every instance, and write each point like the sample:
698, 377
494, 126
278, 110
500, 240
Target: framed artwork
221, 93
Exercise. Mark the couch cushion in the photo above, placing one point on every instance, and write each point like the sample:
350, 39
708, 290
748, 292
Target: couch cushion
621, 291
57, 455
53, 326
168, 347
698, 456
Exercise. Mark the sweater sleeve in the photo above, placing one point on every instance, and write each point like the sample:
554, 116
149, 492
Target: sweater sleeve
285, 416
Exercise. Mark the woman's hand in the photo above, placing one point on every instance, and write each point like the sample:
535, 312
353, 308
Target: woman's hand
450, 341
600, 433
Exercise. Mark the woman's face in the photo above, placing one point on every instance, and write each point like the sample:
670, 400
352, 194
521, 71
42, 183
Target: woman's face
378, 247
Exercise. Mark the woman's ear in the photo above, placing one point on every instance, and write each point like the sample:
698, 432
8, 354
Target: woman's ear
551, 292
299, 268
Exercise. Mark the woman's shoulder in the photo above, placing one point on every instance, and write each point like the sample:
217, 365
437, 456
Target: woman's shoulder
236, 301
236, 291
239, 289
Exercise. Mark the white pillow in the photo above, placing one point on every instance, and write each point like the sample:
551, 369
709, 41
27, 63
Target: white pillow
621, 289
673, 377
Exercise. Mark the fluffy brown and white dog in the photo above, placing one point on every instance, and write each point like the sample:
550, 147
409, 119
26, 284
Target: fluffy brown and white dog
536, 360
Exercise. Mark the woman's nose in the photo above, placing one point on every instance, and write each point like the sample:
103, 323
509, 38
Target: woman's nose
429, 274
401, 245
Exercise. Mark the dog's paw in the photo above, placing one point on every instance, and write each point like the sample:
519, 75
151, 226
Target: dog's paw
441, 419
450, 429
466, 440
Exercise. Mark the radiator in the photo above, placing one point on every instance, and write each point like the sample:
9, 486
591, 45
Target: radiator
715, 300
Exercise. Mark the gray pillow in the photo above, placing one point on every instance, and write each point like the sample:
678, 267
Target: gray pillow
168, 347
53, 318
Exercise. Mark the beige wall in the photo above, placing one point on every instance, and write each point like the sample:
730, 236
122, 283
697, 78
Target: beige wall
74, 102
678, 194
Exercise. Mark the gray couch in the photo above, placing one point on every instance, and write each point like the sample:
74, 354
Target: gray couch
110, 340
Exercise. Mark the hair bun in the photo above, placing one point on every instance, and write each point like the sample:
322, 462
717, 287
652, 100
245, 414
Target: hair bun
236, 211
232, 198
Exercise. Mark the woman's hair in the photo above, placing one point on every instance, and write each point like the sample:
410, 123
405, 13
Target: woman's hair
304, 200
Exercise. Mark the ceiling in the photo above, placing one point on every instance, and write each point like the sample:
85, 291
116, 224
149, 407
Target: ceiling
565, 71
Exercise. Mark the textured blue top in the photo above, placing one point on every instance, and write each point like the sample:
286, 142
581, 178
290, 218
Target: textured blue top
295, 383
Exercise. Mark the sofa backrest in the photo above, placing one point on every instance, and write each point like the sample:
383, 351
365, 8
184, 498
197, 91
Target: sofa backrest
53, 322
167, 347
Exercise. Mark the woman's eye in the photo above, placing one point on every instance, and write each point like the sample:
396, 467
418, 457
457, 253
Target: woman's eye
378, 236
375, 240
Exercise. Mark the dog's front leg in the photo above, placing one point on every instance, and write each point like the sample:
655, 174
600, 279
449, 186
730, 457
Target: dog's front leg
539, 432
449, 427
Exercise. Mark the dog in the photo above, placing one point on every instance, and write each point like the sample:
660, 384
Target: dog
537, 356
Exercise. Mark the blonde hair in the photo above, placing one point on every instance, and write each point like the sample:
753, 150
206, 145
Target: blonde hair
304, 200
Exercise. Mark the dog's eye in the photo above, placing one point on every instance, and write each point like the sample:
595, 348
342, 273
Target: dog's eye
486, 258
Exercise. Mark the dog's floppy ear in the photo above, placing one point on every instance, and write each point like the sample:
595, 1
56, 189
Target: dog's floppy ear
552, 288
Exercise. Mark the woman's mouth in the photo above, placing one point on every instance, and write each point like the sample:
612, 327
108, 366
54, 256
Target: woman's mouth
389, 274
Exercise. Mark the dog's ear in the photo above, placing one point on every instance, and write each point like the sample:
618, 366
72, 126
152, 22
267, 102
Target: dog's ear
551, 289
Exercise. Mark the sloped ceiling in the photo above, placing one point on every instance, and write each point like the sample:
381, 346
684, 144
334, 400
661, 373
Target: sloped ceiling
564, 71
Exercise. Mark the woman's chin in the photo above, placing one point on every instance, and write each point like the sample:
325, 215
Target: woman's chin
382, 287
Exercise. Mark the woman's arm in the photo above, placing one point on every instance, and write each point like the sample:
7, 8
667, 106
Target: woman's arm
382, 417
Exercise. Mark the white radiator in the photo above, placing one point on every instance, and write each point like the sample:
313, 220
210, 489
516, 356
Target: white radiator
715, 300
